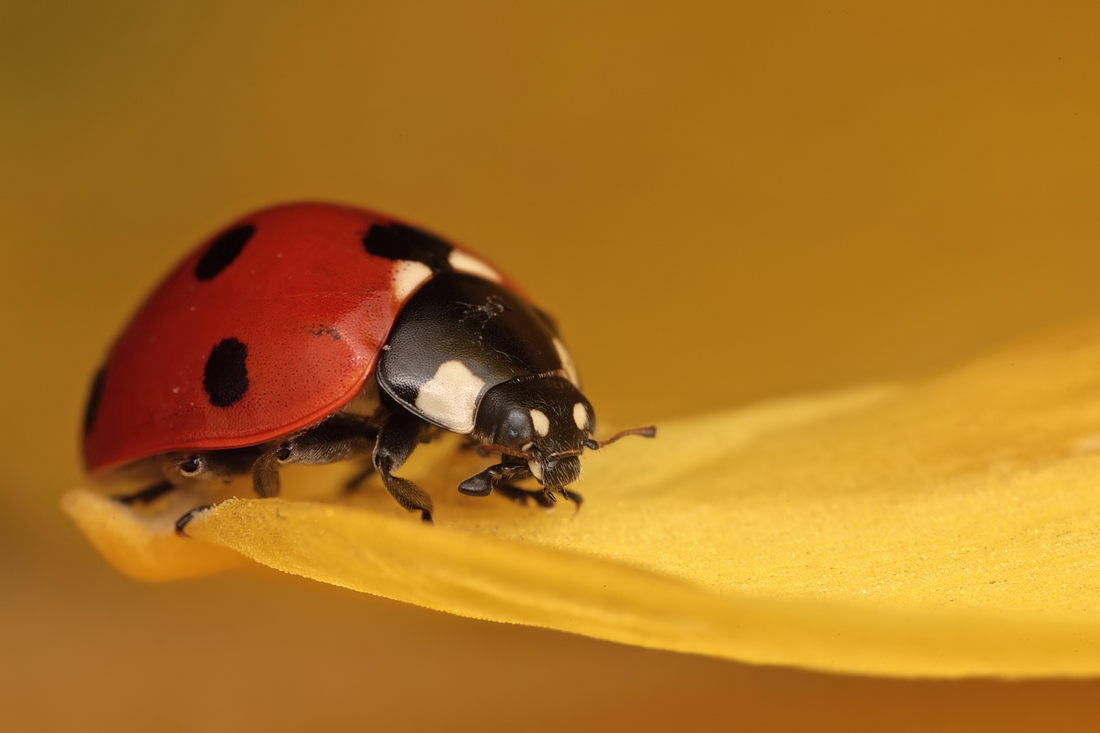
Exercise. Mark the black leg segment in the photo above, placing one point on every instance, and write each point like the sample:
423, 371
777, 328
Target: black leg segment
522, 496
146, 495
397, 439
339, 438
483, 483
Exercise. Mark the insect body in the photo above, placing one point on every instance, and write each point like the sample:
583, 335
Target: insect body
315, 333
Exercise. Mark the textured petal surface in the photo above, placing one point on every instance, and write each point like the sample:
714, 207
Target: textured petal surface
143, 545
944, 528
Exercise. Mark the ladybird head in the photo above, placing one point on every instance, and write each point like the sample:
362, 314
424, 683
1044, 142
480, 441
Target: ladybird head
543, 420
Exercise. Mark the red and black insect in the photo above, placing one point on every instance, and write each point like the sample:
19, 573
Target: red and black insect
315, 333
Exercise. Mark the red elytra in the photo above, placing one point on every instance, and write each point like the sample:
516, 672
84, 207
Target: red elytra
312, 307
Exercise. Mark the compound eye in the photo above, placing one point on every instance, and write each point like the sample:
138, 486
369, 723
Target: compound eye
192, 466
515, 429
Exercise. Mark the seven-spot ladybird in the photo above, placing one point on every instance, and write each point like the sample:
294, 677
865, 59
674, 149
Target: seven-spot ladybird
314, 333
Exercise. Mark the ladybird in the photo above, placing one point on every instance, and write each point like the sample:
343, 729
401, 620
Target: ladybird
312, 333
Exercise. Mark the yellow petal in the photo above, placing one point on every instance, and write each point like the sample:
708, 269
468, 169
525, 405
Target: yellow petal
143, 545
945, 528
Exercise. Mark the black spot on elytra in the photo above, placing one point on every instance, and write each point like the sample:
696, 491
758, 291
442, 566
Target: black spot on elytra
221, 253
403, 242
93, 399
225, 377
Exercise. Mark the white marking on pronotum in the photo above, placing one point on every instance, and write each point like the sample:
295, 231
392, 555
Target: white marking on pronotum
580, 415
541, 422
450, 397
472, 265
536, 469
567, 363
408, 275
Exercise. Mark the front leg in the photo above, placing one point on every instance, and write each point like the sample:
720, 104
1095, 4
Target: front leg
483, 483
500, 477
397, 439
540, 496
146, 495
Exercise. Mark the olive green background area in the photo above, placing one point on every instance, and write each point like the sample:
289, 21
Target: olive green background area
719, 202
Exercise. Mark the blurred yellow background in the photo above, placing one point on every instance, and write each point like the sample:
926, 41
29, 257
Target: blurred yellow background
720, 202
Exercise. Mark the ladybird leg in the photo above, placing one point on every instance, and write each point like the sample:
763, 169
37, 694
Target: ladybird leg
183, 521
482, 484
336, 439
543, 496
146, 495
522, 496
339, 438
265, 472
397, 439
574, 497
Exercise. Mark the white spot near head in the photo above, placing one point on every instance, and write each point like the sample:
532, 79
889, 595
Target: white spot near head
580, 415
536, 469
567, 363
450, 397
541, 422
408, 275
471, 265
